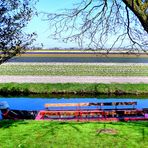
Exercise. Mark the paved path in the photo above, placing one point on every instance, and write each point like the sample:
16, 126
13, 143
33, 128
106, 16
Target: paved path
69, 63
71, 79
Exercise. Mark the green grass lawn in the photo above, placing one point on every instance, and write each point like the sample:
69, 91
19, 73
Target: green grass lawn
72, 88
45, 134
74, 70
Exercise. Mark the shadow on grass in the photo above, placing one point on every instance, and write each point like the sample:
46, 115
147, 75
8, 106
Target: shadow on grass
58, 125
130, 123
9, 123
53, 123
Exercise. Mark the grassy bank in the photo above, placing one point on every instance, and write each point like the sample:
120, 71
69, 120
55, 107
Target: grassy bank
74, 70
72, 88
37, 134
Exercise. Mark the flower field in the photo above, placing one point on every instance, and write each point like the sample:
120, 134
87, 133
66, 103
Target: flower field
74, 70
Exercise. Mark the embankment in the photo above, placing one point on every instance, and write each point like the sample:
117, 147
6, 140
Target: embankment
73, 88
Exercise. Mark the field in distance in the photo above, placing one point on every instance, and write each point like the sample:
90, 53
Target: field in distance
81, 53
73, 69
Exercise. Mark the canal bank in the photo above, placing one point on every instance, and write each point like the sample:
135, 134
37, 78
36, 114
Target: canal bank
19, 89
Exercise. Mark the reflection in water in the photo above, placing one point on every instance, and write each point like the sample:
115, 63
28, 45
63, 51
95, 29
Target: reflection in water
38, 103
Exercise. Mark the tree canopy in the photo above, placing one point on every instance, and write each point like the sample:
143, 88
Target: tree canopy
95, 23
14, 16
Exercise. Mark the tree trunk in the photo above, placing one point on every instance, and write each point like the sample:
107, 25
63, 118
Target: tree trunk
140, 9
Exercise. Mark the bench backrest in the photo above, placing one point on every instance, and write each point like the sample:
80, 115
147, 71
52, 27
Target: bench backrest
90, 104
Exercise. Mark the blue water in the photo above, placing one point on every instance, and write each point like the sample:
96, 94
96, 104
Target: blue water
38, 103
80, 59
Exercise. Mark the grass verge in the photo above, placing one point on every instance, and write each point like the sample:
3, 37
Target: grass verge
37, 134
74, 70
72, 88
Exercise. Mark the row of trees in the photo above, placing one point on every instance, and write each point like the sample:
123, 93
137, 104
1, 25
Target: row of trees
92, 22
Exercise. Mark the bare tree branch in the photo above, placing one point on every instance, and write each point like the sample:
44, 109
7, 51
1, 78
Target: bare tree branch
96, 23
14, 16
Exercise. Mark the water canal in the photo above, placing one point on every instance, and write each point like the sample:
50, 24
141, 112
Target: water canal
28, 103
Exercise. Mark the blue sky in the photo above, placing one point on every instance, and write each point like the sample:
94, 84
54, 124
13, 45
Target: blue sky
41, 27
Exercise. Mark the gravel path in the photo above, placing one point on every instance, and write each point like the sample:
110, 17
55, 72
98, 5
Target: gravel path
57, 63
71, 79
